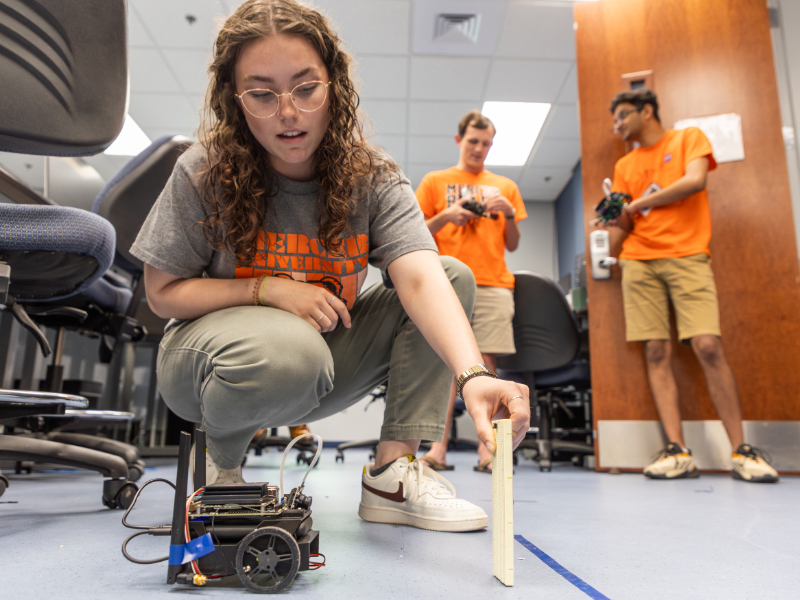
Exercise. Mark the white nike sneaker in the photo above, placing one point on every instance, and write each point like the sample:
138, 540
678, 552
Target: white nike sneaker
215, 474
409, 493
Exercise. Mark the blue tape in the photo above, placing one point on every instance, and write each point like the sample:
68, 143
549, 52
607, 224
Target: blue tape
573, 579
180, 554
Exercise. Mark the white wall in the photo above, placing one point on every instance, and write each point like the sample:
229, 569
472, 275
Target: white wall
537, 246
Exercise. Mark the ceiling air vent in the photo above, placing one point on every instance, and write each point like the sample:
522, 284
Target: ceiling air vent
456, 28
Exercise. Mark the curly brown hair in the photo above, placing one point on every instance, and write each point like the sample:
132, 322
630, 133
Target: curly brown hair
239, 180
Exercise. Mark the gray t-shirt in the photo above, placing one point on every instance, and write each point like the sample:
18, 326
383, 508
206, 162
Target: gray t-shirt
385, 223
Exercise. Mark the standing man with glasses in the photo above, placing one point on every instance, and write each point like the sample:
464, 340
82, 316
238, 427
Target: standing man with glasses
666, 258
473, 216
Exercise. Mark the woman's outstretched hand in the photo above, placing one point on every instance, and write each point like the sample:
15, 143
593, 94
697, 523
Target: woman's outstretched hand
489, 399
311, 303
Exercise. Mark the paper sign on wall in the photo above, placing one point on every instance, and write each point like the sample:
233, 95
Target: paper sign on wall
723, 131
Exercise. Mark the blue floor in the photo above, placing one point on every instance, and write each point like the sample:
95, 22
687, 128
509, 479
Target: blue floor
597, 536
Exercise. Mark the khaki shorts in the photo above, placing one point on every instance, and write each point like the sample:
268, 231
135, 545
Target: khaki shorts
492, 320
647, 285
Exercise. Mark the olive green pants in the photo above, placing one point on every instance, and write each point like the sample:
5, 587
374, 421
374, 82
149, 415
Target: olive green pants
241, 369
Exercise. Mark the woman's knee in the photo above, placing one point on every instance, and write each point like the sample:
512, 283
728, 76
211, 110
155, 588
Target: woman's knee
462, 280
285, 358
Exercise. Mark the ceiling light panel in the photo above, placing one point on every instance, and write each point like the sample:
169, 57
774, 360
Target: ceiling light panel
456, 27
517, 125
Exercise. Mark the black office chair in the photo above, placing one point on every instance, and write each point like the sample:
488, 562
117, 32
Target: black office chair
68, 65
548, 361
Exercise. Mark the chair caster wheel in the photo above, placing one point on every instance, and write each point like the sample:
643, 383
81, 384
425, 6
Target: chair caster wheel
544, 466
515, 460
135, 471
3, 484
371, 457
23, 466
339, 457
118, 493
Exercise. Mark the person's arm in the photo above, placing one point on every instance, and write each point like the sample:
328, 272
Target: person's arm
431, 303
512, 232
693, 181
455, 214
175, 297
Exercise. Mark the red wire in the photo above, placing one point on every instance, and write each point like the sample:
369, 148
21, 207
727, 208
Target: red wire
313, 566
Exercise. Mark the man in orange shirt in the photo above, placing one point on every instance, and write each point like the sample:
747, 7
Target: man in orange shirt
666, 258
479, 241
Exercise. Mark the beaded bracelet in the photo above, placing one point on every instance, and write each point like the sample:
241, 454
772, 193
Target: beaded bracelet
257, 289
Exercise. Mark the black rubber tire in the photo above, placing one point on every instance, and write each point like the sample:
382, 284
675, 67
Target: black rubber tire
123, 498
280, 553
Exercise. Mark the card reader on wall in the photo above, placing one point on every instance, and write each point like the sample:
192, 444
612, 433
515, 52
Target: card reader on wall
599, 248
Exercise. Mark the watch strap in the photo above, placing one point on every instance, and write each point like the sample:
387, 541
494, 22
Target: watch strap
476, 371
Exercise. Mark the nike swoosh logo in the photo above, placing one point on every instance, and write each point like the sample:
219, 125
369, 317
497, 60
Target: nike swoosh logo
396, 497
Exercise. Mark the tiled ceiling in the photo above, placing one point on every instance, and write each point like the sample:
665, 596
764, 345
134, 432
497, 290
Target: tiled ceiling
413, 100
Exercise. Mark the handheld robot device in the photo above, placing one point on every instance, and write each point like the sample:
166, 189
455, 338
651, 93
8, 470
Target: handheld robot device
610, 207
477, 208
245, 529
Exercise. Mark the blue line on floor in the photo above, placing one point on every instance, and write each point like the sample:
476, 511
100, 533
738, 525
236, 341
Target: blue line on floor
573, 579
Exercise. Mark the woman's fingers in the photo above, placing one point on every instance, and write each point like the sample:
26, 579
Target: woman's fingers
520, 408
341, 310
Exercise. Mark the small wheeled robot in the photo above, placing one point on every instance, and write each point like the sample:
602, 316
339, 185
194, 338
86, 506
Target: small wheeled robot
247, 529
610, 207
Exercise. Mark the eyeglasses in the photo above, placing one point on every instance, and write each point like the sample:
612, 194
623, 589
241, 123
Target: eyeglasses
263, 103
623, 114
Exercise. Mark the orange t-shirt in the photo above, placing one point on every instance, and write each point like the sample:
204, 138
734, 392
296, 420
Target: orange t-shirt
682, 228
480, 244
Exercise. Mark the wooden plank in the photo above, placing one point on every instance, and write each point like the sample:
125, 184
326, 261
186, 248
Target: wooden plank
503, 502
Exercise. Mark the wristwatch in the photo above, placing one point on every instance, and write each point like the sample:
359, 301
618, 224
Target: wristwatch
476, 371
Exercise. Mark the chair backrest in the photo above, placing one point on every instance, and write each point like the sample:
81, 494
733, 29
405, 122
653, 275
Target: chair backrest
66, 69
127, 198
545, 331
